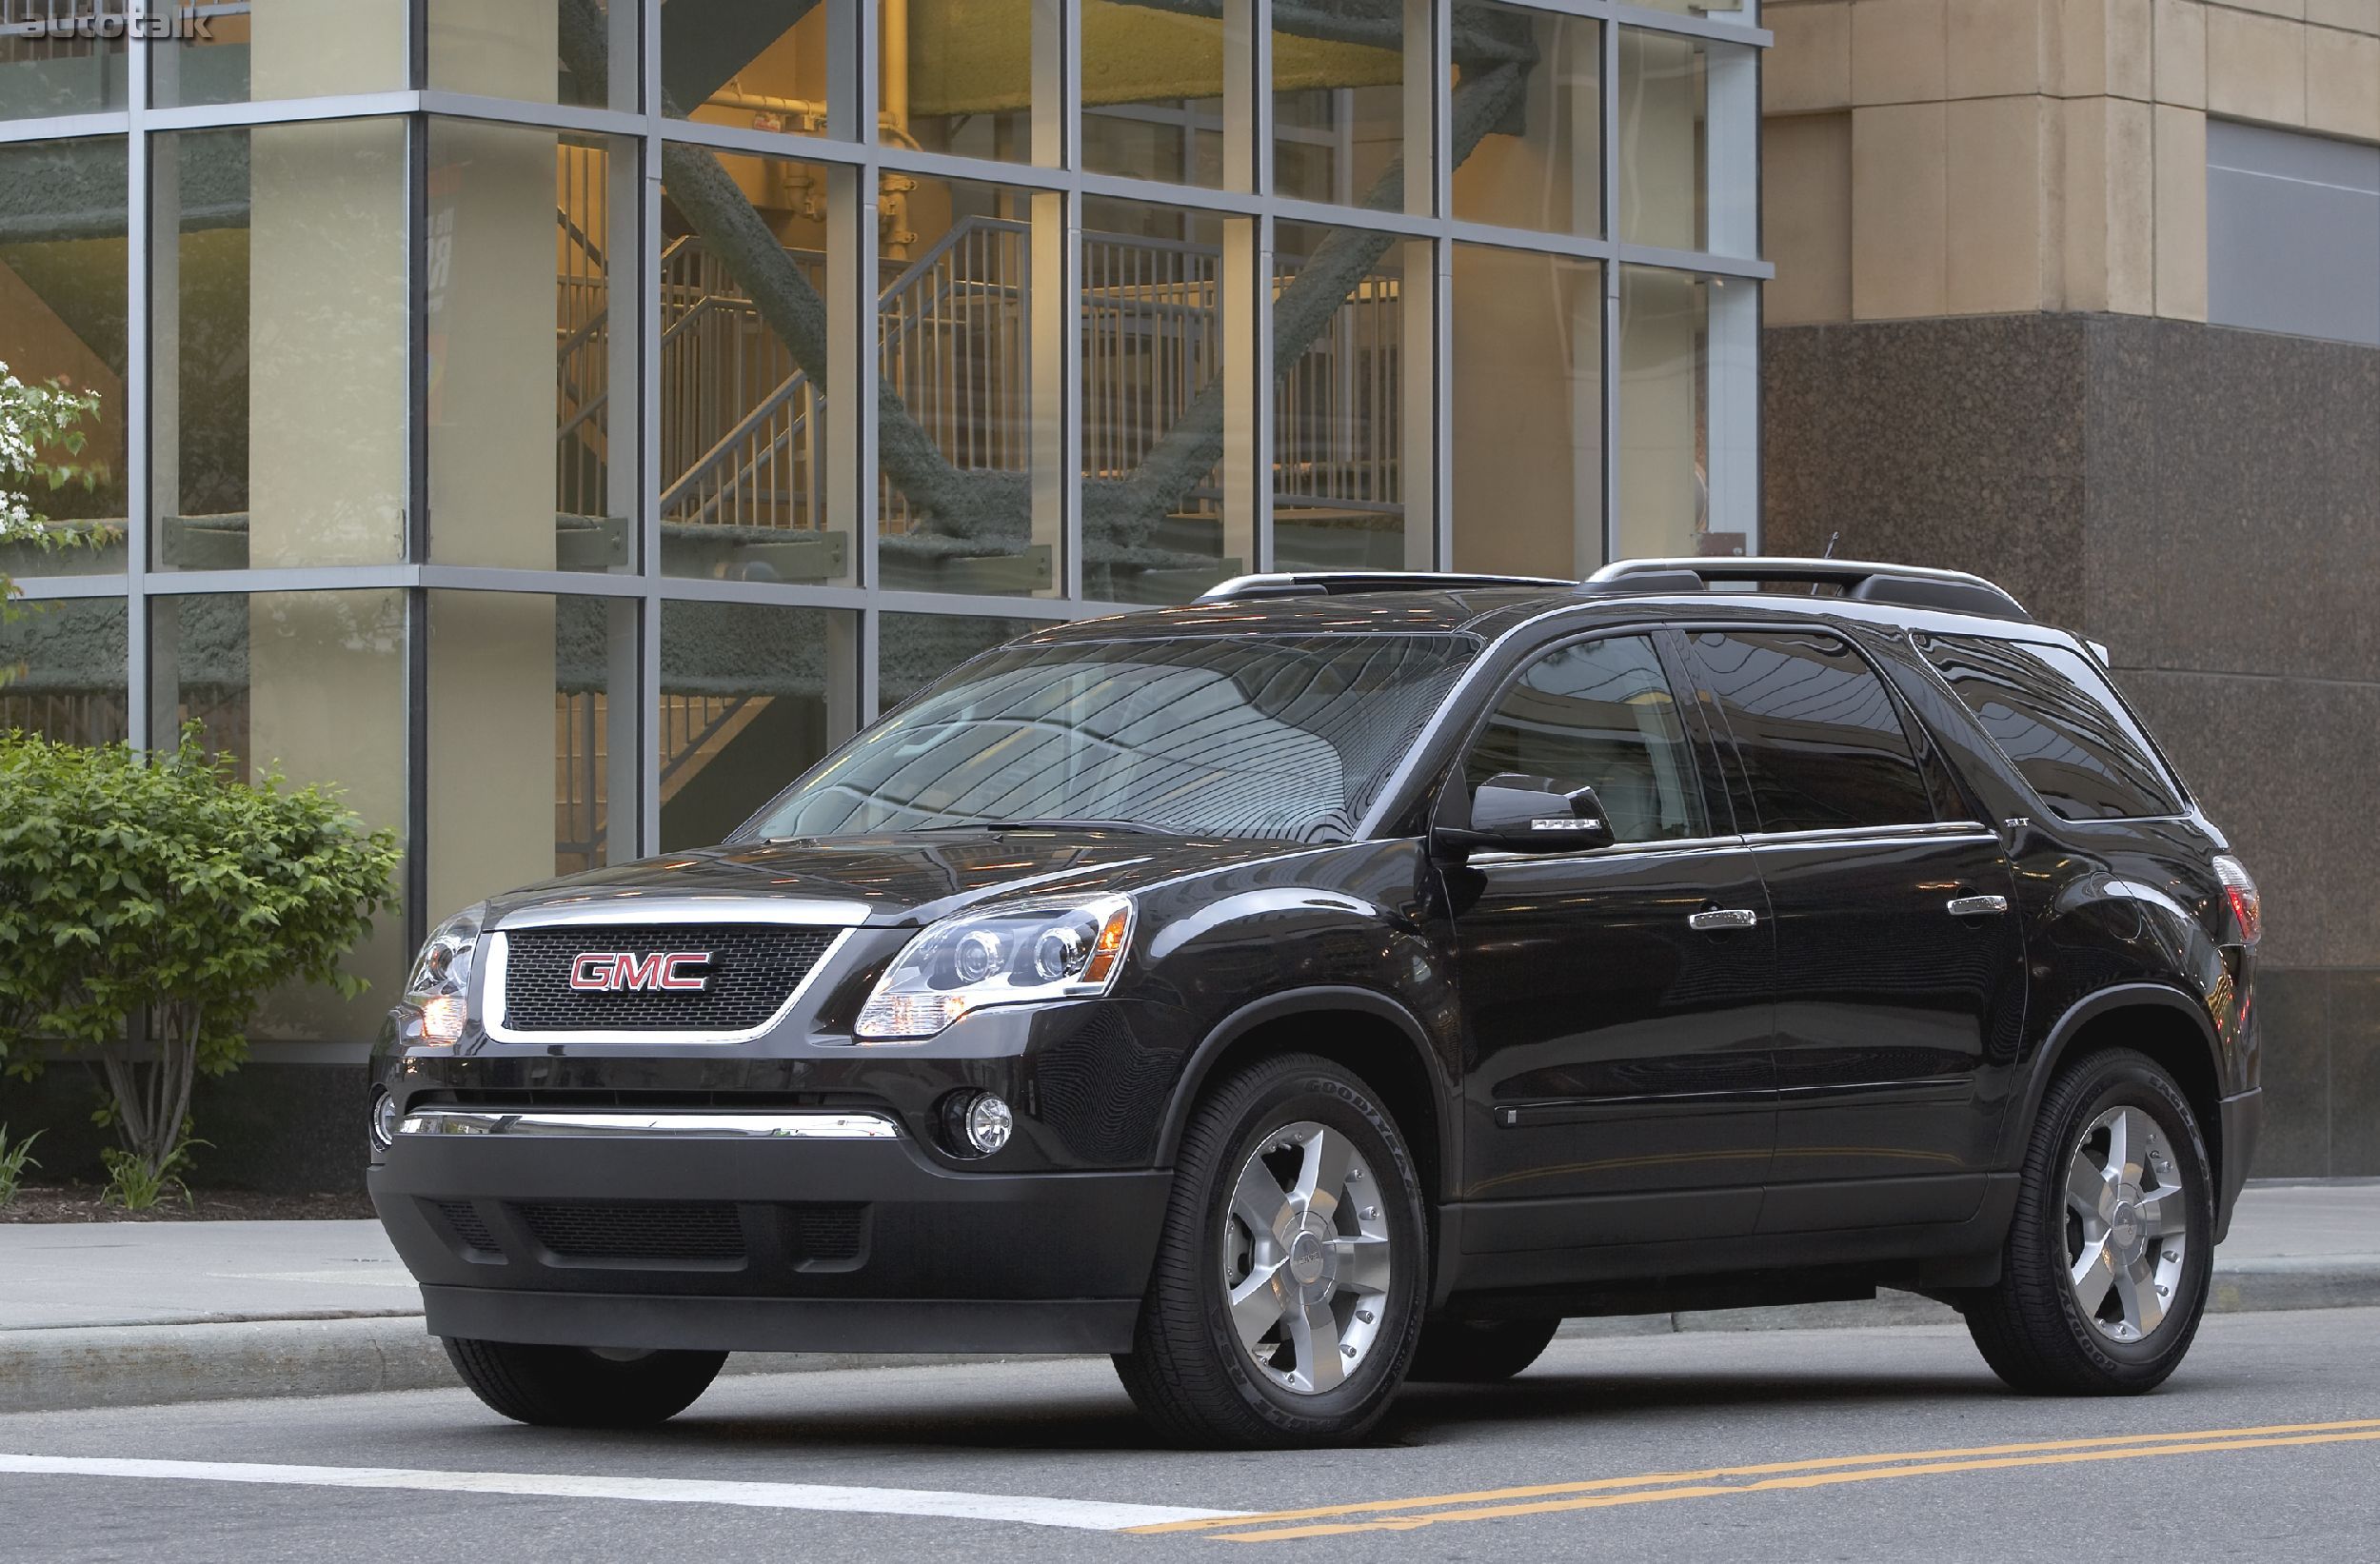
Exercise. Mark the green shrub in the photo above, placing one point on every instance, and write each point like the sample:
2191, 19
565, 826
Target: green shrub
15, 1159
39, 425
146, 904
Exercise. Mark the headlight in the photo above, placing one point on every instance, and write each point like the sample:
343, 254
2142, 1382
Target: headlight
439, 988
1011, 955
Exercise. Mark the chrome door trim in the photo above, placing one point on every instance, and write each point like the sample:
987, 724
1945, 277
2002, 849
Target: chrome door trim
688, 909
1960, 830
1589, 855
498, 967
806, 1124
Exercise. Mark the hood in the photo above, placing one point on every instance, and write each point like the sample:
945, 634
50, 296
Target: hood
898, 878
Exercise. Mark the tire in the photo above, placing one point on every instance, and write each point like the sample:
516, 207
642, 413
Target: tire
578, 1387
1478, 1352
2040, 1328
1352, 1273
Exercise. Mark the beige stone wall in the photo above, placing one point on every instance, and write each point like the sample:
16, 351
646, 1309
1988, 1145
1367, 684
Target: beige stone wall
1953, 157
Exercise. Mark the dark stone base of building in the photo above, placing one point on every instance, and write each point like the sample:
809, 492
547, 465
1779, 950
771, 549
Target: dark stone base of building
2207, 502
281, 1129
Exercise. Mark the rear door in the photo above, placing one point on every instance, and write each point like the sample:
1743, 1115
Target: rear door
1618, 1078
1899, 959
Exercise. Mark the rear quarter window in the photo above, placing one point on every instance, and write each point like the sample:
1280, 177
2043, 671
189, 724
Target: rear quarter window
2054, 714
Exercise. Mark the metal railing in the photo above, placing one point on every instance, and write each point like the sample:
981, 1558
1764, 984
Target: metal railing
743, 428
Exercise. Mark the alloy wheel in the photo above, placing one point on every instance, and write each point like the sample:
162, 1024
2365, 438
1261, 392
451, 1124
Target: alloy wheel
1307, 1260
2127, 1224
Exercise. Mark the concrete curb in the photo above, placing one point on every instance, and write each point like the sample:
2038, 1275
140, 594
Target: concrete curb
150, 1365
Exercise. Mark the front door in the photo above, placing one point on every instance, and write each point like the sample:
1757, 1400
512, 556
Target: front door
1619, 1086
1899, 959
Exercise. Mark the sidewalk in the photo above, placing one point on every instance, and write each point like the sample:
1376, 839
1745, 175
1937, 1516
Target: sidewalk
133, 1314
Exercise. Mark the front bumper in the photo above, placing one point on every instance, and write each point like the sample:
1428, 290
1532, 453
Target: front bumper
762, 1241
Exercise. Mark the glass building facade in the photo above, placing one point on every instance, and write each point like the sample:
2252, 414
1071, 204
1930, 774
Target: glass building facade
556, 421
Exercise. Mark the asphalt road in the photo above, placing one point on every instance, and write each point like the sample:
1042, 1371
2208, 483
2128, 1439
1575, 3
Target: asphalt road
1843, 1444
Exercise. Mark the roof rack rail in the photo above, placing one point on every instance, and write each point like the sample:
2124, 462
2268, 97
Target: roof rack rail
1908, 585
1318, 584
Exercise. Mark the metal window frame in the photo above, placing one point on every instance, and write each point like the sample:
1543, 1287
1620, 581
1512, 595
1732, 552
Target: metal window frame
866, 159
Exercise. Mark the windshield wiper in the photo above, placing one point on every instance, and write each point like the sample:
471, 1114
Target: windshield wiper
1086, 824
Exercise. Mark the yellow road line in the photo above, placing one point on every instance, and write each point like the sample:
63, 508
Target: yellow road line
1813, 1480
1649, 1479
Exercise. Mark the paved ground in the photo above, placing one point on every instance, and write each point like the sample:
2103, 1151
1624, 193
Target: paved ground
107, 1274
1842, 1444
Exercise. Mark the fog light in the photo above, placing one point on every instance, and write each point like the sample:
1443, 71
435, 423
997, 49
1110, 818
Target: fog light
385, 1119
978, 1123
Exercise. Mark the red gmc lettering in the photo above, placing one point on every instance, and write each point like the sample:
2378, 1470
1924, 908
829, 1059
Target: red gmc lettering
609, 972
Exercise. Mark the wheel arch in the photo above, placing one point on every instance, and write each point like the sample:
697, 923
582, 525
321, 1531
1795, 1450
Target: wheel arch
2164, 1023
1385, 1044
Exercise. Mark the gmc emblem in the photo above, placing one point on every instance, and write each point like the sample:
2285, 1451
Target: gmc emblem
613, 972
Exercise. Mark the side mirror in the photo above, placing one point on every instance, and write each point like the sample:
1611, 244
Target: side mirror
1521, 814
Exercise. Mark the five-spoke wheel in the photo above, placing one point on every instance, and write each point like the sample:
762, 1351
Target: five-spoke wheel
1306, 1258
2127, 1224
1290, 1273
2104, 1275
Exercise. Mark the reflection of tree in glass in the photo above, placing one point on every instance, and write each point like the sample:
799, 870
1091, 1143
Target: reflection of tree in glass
1493, 59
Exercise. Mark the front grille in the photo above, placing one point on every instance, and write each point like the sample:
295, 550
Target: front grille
675, 1231
464, 1218
751, 970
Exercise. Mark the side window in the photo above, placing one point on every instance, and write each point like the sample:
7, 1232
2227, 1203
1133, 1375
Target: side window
2052, 714
1822, 744
1599, 714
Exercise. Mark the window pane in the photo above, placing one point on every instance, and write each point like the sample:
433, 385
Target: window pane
1159, 522
970, 426
752, 696
748, 483
1192, 735
1338, 103
757, 64
281, 49
1153, 91
918, 648
277, 314
524, 256
1527, 400
1340, 310
311, 684
62, 318
2292, 233
1821, 742
41, 75
1599, 714
62, 669
536, 51
1685, 160
1664, 417
2056, 718
959, 77
1536, 162
503, 811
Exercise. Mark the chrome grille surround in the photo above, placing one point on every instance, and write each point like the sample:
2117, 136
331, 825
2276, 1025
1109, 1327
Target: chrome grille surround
808, 934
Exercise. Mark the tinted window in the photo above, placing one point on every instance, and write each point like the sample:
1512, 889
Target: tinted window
2051, 710
1195, 735
1599, 714
1821, 742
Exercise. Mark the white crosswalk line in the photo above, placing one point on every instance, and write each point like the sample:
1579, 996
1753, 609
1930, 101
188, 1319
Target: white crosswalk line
1080, 1514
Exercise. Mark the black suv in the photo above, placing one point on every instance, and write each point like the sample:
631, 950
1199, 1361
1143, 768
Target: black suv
1341, 980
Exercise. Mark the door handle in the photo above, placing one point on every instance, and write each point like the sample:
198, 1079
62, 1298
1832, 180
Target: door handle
1971, 907
1722, 918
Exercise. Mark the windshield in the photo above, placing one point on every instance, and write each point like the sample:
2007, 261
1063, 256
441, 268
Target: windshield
1192, 736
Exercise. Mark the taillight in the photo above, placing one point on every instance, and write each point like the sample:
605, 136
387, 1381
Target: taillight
2240, 890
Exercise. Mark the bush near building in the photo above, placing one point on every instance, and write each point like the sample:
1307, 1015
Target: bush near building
148, 902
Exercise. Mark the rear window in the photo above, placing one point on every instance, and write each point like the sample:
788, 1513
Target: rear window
2054, 713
